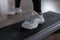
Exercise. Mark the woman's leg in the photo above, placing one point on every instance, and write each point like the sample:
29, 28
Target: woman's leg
17, 6
37, 6
34, 20
17, 3
16, 9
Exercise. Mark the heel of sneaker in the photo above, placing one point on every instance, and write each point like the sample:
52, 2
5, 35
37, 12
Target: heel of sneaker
42, 22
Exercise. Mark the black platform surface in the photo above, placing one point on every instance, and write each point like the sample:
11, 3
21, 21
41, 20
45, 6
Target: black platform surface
15, 32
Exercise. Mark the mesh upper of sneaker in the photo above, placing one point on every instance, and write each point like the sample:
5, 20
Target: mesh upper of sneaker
33, 20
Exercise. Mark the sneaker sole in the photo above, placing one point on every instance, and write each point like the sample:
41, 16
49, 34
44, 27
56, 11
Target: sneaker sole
30, 28
33, 27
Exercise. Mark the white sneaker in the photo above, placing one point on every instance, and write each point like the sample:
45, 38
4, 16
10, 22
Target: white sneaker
33, 21
19, 10
14, 11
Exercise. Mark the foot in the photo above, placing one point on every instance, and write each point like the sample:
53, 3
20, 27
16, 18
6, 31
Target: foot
14, 11
33, 21
19, 10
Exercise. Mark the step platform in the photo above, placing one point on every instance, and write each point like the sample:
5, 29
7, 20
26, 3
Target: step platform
16, 32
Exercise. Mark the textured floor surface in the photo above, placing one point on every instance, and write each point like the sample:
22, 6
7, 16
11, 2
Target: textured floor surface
54, 36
